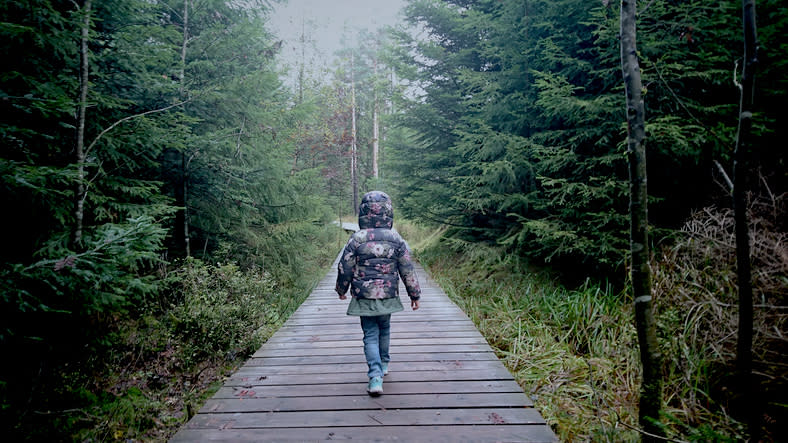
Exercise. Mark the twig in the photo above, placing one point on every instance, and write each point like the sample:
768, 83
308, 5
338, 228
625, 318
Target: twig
646, 7
672, 440
684, 106
735, 79
724, 175
127, 118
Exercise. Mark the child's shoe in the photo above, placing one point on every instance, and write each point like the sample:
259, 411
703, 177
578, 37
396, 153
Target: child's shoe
375, 387
385, 368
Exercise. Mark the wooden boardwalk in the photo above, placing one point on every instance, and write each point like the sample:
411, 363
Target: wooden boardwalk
308, 382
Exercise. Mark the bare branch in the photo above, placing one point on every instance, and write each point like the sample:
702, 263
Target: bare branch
724, 175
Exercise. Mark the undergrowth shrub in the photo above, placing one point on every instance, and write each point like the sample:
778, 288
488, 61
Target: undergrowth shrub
157, 367
697, 303
225, 311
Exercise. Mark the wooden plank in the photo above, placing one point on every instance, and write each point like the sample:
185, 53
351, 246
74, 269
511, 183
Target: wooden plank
388, 417
250, 379
442, 365
429, 387
365, 402
462, 325
356, 342
293, 337
266, 352
400, 362
437, 434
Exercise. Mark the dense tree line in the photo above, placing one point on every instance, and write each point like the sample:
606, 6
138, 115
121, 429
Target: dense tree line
137, 134
516, 129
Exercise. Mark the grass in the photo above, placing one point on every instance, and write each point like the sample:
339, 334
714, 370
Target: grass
573, 352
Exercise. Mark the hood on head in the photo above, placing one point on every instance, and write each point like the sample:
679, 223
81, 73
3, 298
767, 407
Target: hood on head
375, 211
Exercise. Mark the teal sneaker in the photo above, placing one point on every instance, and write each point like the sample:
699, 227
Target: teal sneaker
385, 368
375, 387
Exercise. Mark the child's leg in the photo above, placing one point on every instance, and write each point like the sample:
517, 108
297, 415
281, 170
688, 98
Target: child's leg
372, 345
384, 326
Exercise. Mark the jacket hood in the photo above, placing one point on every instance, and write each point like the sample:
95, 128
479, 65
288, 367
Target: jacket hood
375, 211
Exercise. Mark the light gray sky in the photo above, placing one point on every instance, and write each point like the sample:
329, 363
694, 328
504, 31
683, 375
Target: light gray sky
325, 22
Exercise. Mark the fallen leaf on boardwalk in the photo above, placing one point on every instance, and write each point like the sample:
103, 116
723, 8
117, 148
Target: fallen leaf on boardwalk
496, 419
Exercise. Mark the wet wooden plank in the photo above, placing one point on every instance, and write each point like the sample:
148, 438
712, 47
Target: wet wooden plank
391, 388
377, 417
302, 351
359, 402
436, 434
401, 361
251, 379
438, 365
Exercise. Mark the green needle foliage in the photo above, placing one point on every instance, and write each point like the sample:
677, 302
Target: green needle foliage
517, 126
189, 138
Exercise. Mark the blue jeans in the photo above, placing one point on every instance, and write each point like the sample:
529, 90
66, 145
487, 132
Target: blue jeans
377, 334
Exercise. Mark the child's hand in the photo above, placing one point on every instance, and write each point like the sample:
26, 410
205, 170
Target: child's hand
343, 297
414, 304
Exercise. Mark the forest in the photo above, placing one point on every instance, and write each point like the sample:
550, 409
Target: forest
170, 196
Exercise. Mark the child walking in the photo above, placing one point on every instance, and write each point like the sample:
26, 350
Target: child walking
371, 265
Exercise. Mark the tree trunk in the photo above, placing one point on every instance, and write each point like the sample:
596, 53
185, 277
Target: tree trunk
303, 62
353, 149
79, 211
185, 184
184, 161
182, 74
650, 356
743, 266
375, 128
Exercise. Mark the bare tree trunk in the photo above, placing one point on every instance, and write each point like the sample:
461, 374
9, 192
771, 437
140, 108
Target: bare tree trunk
184, 162
650, 356
79, 212
185, 174
303, 62
743, 266
375, 127
353, 149
182, 74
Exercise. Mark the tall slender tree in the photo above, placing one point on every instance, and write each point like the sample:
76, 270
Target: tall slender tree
743, 265
84, 81
650, 356
375, 124
353, 141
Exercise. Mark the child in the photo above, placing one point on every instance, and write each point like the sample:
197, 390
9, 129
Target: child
371, 264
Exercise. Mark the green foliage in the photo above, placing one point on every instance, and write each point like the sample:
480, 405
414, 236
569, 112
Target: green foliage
195, 149
515, 133
223, 311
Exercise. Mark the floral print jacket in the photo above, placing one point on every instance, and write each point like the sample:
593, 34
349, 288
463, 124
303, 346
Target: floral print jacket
376, 256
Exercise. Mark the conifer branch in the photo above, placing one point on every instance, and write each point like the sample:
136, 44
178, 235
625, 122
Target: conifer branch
130, 117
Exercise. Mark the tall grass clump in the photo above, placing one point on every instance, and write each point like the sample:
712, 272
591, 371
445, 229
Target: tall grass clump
573, 351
